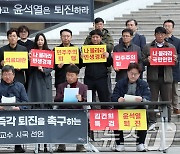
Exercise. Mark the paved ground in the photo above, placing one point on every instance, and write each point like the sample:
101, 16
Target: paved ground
130, 150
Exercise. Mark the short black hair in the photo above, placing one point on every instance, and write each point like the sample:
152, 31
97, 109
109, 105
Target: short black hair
160, 30
171, 21
72, 69
129, 20
96, 32
11, 30
134, 66
97, 20
22, 28
128, 31
66, 30
8, 68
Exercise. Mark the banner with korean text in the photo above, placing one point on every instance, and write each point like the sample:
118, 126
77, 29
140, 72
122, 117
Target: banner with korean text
46, 11
162, 56
18, 59
43, 126
44, 58
121, 60
94, 53
118, 119
66, 55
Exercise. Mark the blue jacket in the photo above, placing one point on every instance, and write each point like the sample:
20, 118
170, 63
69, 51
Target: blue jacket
138, 40
176, 69
121, 89
14, 89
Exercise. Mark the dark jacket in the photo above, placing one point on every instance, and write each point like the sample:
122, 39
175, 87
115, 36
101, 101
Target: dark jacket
106, 39
60, 73
14, 89
138, 40
122, 48
19, 74
28, 44
96, 71
176, 69
152, 71
121, 88
60, 92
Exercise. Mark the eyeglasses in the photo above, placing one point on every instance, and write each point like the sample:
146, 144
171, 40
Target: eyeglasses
7, 74
126, 36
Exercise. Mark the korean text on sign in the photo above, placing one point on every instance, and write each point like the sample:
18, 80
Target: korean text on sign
44, 58
129, 119
121, 60
104, 119
17, 59
66, 55
93, 53
162, 56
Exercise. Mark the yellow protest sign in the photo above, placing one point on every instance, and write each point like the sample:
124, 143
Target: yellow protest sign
17, 59
93, 53
132, 118
66, 55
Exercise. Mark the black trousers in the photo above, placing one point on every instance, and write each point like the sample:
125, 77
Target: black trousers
163, 89
99, 85
119, 136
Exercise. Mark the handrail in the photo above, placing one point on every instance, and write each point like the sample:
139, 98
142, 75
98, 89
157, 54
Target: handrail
87, 103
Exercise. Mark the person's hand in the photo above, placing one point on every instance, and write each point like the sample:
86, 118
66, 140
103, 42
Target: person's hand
106, 54
2, 63
117, 69
121, 99
82, 55
175, 57
138, 99
15, 108
40, 68
29, 54
149, 58
60, 65
1, 108
79, 97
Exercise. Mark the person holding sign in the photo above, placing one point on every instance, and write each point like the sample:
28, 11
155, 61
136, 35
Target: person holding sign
106, 39
10, 88
13, 46
128, 47
138, 91
40, 79
96, 68
159, 69
60, 69
72, 82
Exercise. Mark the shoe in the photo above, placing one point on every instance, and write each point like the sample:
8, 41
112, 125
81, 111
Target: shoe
61, 148
176, 111
120, 148
18, 149
140, 148
152, 127
80, 148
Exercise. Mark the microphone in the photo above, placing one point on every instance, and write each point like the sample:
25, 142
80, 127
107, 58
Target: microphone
68, 86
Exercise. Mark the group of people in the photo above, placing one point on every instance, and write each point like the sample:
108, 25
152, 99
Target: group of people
37, 81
